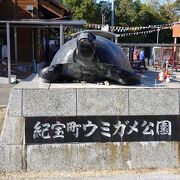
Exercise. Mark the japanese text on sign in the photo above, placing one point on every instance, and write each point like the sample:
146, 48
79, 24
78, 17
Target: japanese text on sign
58, 129
101, 129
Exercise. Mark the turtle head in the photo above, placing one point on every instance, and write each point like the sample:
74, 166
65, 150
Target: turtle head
86, 44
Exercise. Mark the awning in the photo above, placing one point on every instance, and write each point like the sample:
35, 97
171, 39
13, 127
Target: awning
34, 23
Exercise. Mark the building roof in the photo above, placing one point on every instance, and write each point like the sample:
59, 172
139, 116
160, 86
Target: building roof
54, 9
37, 9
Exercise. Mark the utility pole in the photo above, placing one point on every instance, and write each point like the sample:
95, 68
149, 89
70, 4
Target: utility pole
103, 19
112, 13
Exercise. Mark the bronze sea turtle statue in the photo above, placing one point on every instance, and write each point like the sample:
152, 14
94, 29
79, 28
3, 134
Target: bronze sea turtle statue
90, 58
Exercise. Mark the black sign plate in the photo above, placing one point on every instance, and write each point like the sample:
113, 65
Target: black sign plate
101, 129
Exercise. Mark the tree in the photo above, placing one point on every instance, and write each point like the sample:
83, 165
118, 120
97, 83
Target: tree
167, 13
126, 12
177, 4
177, 9
149, 14
104, 9
83, 9
154, 12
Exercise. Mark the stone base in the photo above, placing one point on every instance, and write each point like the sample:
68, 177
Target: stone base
102, 156
38, 100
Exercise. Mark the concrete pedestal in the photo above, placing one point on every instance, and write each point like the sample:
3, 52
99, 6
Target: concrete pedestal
54, 100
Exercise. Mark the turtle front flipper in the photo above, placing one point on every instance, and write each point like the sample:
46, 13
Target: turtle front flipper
123, 77
51, 73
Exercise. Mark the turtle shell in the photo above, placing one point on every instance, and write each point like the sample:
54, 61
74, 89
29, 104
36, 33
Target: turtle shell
107, 52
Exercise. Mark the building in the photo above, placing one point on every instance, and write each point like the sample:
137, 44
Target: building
28, 43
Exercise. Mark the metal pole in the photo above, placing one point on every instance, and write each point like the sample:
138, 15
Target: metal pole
9, 52
116, 39
112, 14
162, 56
33, 57
102, 18
158, 35
34, 65
15, 43
174, 52
61, 36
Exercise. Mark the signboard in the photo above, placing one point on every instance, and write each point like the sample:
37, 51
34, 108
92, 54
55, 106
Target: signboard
176, 30
156, 54
39, 130
168, 54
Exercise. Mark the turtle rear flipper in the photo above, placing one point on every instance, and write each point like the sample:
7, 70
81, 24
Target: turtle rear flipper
123, 77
